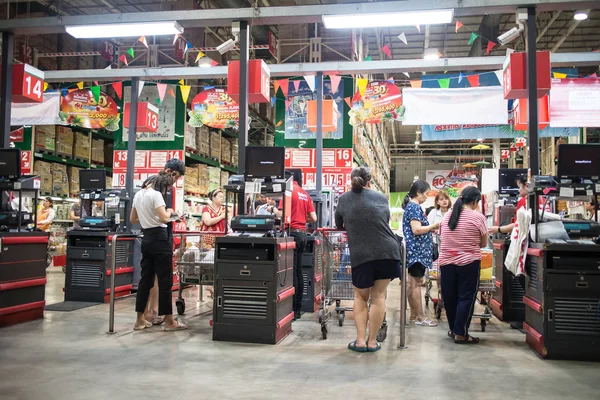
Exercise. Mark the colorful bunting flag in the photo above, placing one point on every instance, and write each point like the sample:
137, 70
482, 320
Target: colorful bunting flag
444, 83
368, 58
287, 104
213, 63
402, 37
284, 84
199, 56
386, 50
181, 82
118, 87
162, 89
362, 85
418, 28
279, 123
458, 26
460, 77
416, 84
406, 74
158, 100
141, 87
473, 80
96, 83
391, 80
472, 38
96, 93
348, 101
273, 100
310, 80
188, 46
80, 85
45, 86
143, 40
296, 85
559, 75
185, 92
275, 87
208, 87
490, 46
72, 90
594, 75
335, 82
131, 52
171, 92
177, 36
64, 92
109, 67
500, 76
124, 59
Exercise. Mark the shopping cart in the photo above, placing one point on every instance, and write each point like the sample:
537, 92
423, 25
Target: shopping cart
195, 262
487, 287
433, 275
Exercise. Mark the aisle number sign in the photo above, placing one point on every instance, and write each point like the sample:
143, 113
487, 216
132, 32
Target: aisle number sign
27, 84
337, 166
25, 162
147, 117
147, 163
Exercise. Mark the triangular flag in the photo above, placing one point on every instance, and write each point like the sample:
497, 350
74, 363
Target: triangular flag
162, 89
208, 87
275, 87
96, 83
279, 123
124, 59
143, 40
460, 77
96, 92
273, 100
310, 80
141, 87
348, 101
335, 82
64, 92
458, 26
181, 82
418, 28
490, 46
188, 46
131, 52
368, 58
171, 92
284, 84
177, 36
199, 56
444, 83
158, 101
213, 63
109, 67
391, 80
80, 85
416, 84
185, 92
386, 50
559, 75
362, 85
45, 86
287, 104
473, 80
594, 75
296, 85
402, 37
472, 38
500, 76
406, 74
118, 86
72, 90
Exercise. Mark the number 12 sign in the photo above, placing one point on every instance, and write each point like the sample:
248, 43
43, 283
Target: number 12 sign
28, 84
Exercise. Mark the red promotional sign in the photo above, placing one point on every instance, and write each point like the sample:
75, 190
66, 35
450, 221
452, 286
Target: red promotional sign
25, 162
27, 54
180, 48
382, 101
575, 103
515, 75
259, 80
521, 114
337, 166
505, 155
80, 108
214, 108
272, 43
27, 84
147, 117
108, 51
16, 136
147, 163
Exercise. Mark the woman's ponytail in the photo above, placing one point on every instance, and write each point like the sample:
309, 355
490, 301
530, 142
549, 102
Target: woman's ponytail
406, 201
469, 195
418, 187
456, 210
360, 177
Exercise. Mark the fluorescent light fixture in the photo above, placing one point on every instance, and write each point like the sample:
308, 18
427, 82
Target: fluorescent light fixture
205, 64
580, 15
124, 30
417, 142
375, 20
431, 54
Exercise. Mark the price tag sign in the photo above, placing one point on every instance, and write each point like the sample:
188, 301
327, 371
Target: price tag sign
27, 85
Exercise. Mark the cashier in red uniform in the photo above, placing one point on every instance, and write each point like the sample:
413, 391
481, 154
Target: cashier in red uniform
303, 211
523, 191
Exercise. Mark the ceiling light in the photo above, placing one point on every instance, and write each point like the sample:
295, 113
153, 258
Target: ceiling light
417, 142
431, 54
205, 64
580, 15
409, 18
124, 30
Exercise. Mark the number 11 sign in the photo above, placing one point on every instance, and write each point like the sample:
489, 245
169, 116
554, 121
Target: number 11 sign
28, 84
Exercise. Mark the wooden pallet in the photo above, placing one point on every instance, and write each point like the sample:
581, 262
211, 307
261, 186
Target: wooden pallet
80, 159
44, 151
64, 155
194, 194
98, 163
190, 150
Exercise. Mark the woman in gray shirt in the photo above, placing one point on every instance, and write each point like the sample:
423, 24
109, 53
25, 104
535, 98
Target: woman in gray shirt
374, 255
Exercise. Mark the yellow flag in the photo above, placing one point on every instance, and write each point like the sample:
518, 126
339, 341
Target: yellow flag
185, 92
182, 82
199, 56
558, 75
362, 85
80, 85
45, 86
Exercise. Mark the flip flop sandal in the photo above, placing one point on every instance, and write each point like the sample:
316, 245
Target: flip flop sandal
178, 327
468, 340
450, 334
158, 320
373, 350
141, 328
352, 346
426, 322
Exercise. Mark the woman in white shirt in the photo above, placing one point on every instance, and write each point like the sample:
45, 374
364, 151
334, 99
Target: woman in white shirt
150, 212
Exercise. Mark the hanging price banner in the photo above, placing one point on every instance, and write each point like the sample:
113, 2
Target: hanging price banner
80, 108
382, 102
214, 108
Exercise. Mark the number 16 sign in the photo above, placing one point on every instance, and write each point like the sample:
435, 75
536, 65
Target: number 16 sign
147, 117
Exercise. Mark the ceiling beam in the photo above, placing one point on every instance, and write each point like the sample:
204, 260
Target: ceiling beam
547, 26
285, 15
571, 29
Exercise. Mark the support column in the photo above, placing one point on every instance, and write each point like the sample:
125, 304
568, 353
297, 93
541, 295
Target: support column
131, 139
532, 100
8, 46
243, 103
319, 163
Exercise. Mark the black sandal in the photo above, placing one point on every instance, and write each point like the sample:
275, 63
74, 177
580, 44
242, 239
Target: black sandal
467, 340
450, 334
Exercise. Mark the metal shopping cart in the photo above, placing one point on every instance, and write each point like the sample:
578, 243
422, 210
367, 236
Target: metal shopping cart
433, 275
195, 263
487, 287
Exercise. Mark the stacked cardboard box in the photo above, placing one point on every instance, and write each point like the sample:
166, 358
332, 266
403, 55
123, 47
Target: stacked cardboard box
64, 141
81, 149
190, 180
73, 173
203, 179
98, 151
109, 182
203, 140
225, 151
215, 145
60, 180
214, 177
45, 138
224, 178
234, 153
44, 171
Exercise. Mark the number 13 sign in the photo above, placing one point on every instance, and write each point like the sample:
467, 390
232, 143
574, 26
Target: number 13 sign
147, 117
28, 84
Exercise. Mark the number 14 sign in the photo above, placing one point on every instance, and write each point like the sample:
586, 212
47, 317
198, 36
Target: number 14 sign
28, 84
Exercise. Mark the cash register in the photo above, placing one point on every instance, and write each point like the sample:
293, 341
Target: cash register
115, 202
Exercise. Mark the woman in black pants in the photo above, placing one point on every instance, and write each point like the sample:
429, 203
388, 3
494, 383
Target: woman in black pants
150, 212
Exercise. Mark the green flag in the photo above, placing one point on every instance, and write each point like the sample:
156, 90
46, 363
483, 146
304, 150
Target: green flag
132, 54
158, 100
96, 92
368, 58
444, 83
473, 37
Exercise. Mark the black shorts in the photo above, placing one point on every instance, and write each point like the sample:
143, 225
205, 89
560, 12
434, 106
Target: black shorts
365, 275
417, 270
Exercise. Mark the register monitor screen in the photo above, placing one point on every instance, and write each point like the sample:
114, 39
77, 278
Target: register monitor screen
10, 163
265, 162
92, 179
507, 180
578, 160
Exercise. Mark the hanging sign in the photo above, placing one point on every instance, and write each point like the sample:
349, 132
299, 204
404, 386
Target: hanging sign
336, 168
147, 163
575, 103
521, 114
505, 154
382, 101
515, 75
108, 51
16, 136
259, 80
147, 117
214, 108
25, 162
27, 54
79, 108
27, 84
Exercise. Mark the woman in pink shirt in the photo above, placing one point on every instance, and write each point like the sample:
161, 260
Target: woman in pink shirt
464, 232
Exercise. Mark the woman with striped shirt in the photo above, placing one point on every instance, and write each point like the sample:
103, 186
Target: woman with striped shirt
464, 232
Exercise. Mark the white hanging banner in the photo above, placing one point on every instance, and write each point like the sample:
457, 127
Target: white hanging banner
483, 105
575, 103
44, 113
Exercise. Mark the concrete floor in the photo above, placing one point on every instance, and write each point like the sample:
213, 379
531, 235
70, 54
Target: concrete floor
68, 355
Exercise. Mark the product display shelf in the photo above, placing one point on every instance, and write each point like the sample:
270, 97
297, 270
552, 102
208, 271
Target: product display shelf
358, 158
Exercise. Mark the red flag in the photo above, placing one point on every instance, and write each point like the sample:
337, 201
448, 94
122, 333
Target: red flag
171, 92
287, 104
473, 80
284, 84
118, 86
416, 84
490, 46
386, 50
124, 59
458, 25
213, 63
348, 101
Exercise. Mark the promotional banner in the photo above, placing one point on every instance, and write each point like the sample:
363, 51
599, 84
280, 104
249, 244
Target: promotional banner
214, 108
460, 132
452, 181
299, 94
44, 113
382, 102
166, 116
575, 102
337, 166
79, 108
147, 163
482, 105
